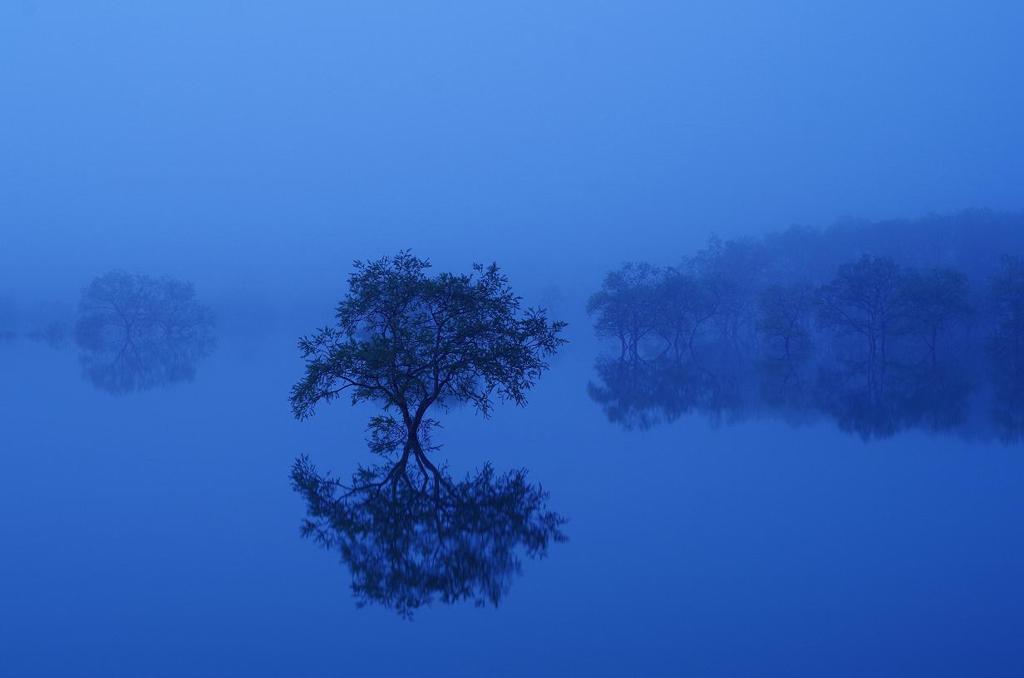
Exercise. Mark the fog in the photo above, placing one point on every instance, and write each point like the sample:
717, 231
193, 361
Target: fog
258, 147
712, 470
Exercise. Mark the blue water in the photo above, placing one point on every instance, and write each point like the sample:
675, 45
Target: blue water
256, 147
156, 535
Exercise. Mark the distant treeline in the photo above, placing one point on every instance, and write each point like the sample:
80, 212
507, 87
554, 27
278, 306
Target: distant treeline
864, 307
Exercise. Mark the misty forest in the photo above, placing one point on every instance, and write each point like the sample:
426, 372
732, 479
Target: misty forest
554, 340
879, 327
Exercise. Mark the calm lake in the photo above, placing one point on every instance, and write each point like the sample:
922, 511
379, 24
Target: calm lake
156, 534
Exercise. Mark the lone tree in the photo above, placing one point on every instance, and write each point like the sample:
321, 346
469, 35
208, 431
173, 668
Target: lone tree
409, 340
135, 332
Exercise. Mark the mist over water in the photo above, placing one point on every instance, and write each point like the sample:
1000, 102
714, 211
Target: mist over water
719, 474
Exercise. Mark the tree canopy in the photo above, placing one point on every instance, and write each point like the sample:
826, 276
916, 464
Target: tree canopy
408, 339
880, 327
135, 332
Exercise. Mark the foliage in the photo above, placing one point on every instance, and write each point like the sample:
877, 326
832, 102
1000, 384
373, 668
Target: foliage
867, 298
936, 299
784, 318
1007, 299
135, 332
410, 540
625, 306
408, 340
876, 325
653, 310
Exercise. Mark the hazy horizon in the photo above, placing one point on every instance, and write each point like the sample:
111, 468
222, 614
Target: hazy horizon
261, 145
757, 481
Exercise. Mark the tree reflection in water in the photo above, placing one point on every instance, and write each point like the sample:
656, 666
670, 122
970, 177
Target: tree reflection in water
640, 394
1008, 405
932, 399
942, 398
135, 332
410, 537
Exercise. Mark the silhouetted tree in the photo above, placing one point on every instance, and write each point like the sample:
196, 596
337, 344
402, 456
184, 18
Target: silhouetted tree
732, 272
681, 306
408, 541
408, 340
653, 312
784, 319
890, 325
867, 298
1007, 301
935, 300
135, 332
626, 305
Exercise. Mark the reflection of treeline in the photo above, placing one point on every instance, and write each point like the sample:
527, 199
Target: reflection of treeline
910, 302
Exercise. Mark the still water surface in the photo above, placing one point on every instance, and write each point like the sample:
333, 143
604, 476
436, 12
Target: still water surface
156, 534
